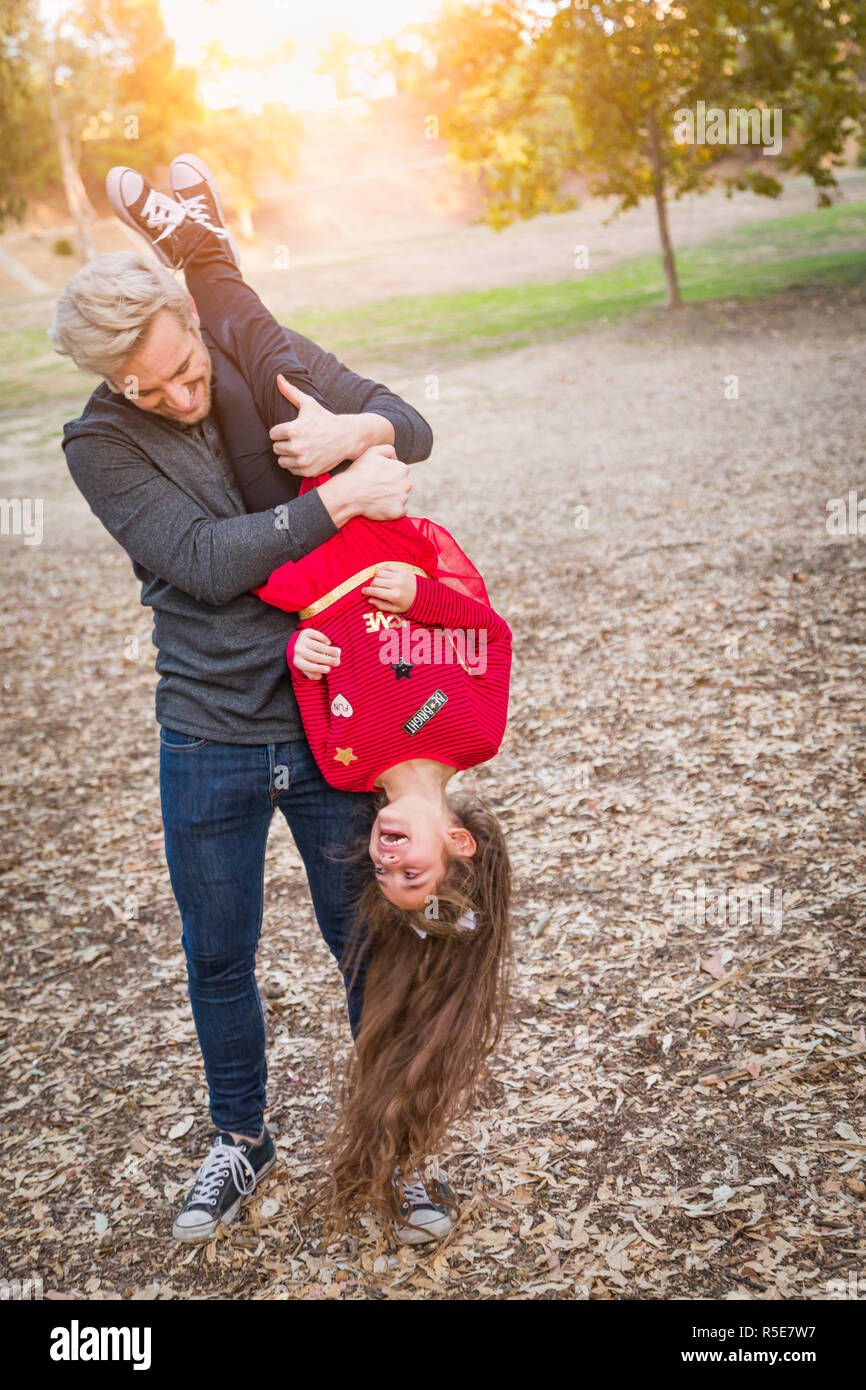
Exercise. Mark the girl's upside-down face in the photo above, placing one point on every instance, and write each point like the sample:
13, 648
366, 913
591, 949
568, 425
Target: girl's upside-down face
410, 845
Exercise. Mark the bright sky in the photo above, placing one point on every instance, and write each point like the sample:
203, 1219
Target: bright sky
252, 28
255, 27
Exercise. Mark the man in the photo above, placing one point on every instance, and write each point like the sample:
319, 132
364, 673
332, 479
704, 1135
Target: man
148, 455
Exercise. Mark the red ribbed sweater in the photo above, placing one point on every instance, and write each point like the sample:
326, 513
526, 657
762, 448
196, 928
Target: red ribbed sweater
403, 688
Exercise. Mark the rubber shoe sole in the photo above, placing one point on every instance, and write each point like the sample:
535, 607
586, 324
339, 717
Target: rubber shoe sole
431, 1221
206, 176
114, 188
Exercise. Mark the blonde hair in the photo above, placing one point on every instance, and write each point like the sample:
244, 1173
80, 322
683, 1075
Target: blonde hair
105, 312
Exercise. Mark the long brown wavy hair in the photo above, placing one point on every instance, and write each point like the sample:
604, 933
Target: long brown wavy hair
433, 1009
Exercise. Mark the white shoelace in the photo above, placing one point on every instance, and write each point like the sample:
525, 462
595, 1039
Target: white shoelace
418, 1191
159, 211
223, 1159
415, 1192
198, 210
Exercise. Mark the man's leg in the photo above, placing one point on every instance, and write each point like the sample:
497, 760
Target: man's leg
321, 817
216, 810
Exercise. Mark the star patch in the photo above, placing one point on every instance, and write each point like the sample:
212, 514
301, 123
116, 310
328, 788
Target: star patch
402, 669
345, 756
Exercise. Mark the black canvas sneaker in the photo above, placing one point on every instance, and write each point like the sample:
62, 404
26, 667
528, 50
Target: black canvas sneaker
425, 1216
194, 185
230, 1173
156, 215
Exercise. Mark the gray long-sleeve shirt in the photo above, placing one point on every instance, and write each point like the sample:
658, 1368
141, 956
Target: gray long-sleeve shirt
166, 493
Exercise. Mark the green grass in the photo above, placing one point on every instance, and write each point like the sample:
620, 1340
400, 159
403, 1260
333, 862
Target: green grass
31, 372
820, 249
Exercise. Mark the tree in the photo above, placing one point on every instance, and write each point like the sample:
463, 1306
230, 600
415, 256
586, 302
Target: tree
529, 92
101, 80
500, 103
336, 60
247, 149
17, 105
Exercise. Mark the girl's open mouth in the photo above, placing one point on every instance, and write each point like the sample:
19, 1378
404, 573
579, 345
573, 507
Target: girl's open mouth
392, 837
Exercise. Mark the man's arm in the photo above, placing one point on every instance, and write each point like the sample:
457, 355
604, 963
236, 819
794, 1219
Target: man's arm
170, 534
367, 413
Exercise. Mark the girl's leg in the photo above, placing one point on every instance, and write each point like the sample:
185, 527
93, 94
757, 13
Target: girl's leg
242, 327
248, 348
263, 483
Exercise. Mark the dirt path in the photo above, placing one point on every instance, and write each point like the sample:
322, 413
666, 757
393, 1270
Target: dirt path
453, 258
687, 709
477, 258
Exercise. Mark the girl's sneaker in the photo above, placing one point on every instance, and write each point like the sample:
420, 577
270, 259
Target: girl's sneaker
157, 216
426, 1218
230, 1173
194, 185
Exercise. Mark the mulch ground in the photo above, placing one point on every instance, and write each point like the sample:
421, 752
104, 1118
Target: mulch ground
677, 1108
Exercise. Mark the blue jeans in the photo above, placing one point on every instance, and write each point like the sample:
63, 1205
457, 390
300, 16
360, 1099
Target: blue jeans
217, 803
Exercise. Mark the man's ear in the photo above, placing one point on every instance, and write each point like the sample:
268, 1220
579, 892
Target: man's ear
461, 842
195, 311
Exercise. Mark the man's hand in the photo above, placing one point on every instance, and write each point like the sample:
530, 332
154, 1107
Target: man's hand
392, 589
381, 482
376, 486
313, 654
317, 440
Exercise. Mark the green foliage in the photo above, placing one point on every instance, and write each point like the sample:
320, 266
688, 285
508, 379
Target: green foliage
19, 134
527, 93
501, 103
100, 76
103, 77
245, 150
119, 91
809, 250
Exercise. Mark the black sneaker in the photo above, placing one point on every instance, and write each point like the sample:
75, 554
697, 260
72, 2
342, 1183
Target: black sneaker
425, 1215
194, 185
230, 1173
157, 216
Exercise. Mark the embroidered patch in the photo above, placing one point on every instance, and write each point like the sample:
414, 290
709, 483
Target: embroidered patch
340, 705
345, 756
402, 669
426, 712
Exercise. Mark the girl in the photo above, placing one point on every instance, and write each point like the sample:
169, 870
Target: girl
400, 668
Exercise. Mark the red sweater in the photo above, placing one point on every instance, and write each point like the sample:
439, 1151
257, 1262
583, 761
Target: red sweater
428, 683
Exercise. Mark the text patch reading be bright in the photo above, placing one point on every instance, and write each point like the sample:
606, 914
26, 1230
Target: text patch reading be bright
426, 712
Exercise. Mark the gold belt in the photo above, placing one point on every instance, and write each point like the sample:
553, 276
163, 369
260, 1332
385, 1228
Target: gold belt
353, 583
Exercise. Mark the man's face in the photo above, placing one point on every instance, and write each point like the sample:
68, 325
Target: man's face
170, 374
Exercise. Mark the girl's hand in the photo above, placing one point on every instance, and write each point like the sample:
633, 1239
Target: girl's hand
392, 589
313, 654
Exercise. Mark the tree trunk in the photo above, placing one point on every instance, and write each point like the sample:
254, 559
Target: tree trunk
76, 195
674, 299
